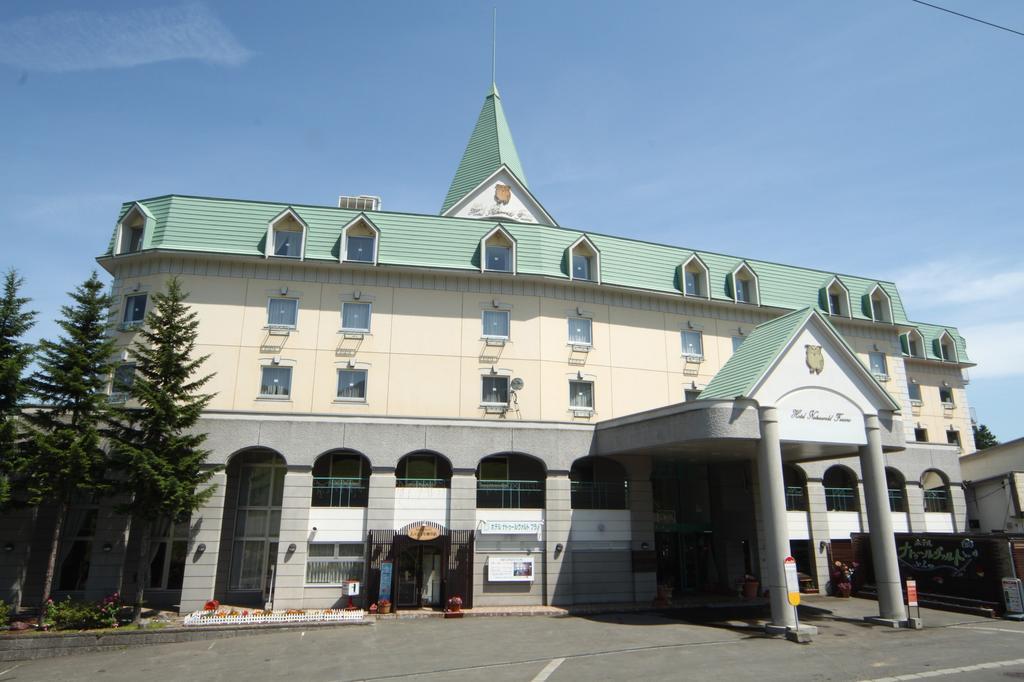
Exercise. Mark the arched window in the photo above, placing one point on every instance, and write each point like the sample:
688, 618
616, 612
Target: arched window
896, 485
510, 481
257, 477
840, 490
796, 489
598, 483
423, 470
936, 491
341, 479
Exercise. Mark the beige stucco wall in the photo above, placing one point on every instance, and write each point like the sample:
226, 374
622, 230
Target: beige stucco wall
425, 353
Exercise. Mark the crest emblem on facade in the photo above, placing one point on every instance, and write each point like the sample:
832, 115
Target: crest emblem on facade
815, 359
502, 194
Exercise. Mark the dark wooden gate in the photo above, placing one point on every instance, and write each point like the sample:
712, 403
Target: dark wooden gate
460, 567
456, 562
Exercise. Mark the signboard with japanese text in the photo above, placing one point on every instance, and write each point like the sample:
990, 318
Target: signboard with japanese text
514, 569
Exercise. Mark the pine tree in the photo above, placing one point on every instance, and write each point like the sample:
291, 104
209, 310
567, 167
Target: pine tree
64, 459
15, 356
983, 438
153, 444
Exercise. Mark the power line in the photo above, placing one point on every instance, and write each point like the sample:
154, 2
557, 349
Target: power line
965, 16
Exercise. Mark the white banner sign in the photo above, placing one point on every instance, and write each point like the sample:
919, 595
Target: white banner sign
517, 569
512, 528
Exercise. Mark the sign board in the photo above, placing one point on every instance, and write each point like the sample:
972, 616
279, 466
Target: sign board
424, 532
512, 528
912, 593
820, 416
385, 581
351, 588
516, 569
792, 581
1012, 595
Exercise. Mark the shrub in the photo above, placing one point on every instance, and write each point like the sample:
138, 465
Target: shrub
5, 615
77, 615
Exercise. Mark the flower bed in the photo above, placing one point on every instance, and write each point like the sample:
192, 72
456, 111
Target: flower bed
258, 617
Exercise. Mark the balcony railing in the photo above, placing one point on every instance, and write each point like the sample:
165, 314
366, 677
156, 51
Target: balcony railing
841, 499
936, 501
600, 495
795, 498
421, 482
506, 494
339, 492
896, 502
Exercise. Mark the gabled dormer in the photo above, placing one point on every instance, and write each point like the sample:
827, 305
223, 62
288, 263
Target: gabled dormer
945, 347
695, 278
878, 304
132, 230
498, 251
583, 261
743, 285
835, 298
912, 343
360, 241
286, 236
490, 182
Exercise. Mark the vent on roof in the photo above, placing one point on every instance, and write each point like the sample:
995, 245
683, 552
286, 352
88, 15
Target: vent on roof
363, 202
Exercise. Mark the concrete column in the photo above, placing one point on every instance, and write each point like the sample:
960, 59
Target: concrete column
820, 535
290, 574
462, 500
773, 513
641, 521
958, 503
557, 524
201, 564
380, 509
883, 545
915, 506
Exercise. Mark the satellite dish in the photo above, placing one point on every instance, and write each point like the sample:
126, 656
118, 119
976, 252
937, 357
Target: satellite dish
517, 384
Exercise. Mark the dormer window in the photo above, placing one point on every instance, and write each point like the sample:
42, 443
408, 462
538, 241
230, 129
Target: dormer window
286, 236
584, 261
359, 241
498, 251
744, 285
879, 305
837, 298
947, 347
913, 344
695, 278
131, 230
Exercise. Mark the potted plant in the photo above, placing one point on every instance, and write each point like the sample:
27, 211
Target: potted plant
384, 606
842, 579
454, 609
751, 586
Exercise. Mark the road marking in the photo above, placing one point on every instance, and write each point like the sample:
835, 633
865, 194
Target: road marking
548, 669
211, 645
4, 672
971, 627
950, 671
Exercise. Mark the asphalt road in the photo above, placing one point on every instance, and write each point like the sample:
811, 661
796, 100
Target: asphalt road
723, 646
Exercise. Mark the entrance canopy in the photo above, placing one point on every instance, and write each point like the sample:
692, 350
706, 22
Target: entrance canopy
798, 364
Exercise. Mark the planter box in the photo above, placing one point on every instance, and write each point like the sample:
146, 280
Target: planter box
276, 618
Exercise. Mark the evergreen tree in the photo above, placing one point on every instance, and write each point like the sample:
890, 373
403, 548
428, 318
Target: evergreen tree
15, 356
153, 444
64, 459
983, 438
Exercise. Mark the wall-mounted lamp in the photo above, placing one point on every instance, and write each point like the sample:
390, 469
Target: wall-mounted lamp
201, 548
493, 371
351, 363
356, 295
559, 548
579, 375
284, 291
291, 548
579, 311
276, 360
946, 384
822, 546
739, 330
8, 546
644, 546
107, 547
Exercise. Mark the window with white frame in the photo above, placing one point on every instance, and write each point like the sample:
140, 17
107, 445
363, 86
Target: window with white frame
693, 345
287, 243
131, 240
332, 563
914, 345
282, 313
495, 324
914, 389
352, 384
581, 331
121, 384
947, 348
355, 316
581, 395
275, 382
693, 283
582, 266
744, 290
134, 311
946, 396
695, 277
169, 551
494, 390
498, 258
835, 305
359, 248
879, 367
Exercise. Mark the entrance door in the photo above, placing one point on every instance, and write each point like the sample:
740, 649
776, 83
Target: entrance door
418, 577
683, 560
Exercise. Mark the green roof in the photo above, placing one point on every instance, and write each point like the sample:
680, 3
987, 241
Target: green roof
239, 227
931, 334
752, 359
741, 373
490, 147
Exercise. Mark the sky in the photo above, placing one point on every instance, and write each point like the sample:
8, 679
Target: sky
878, 138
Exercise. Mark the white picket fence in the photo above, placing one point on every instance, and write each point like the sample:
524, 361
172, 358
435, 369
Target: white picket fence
308, 616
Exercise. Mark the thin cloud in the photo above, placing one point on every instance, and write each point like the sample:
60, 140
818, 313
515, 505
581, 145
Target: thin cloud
77, 41
941, 283
994, 348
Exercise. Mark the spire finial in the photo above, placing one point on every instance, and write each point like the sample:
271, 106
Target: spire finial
494, 45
